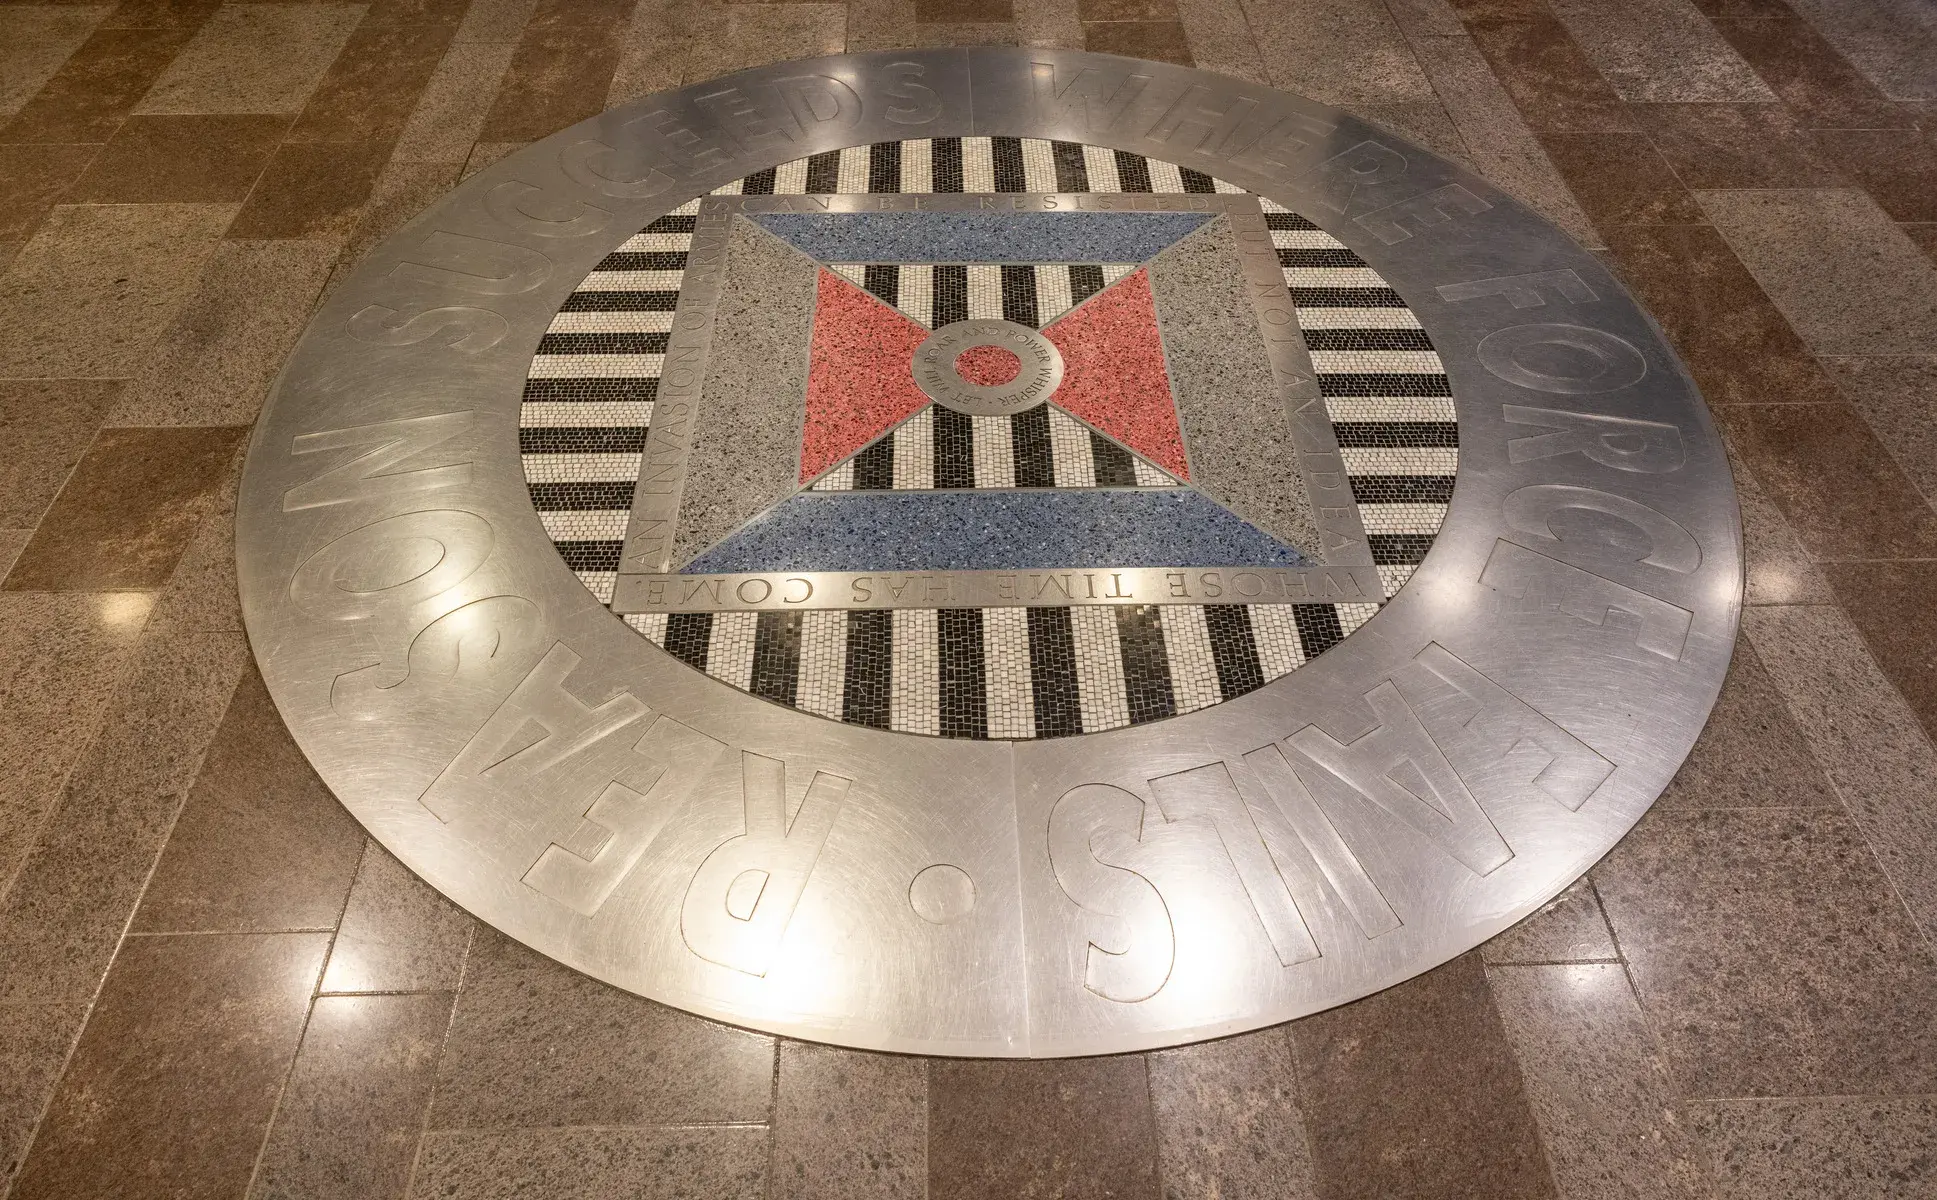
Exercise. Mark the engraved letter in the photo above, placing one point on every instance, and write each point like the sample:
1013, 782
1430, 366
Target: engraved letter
1209, 794
1103, 98
1578, 361
1400, 768
510, 202
1523, 291
399, 561
1338, 179
1624, 443
1320, 838
1434, 208
368, 476
1209, 129
742, 897
475, 328
1666, 544
468, 264
1093, 831
1526, 574
923, 104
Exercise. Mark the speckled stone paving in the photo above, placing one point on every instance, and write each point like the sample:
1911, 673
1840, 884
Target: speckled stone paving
991, 531
892, 237
1165, 391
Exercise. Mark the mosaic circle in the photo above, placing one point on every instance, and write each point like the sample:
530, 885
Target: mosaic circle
834, 436
747, 677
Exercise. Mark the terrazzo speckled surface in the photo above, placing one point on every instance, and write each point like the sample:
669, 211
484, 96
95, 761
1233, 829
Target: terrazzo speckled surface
988, 531
981, 237
859, 385
749, 425
1227, 400
1114, 375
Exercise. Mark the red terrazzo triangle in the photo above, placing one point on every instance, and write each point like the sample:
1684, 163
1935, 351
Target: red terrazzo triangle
1113, 372
858, 382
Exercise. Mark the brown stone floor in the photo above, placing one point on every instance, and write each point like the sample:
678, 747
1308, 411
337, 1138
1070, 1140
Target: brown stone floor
212, 985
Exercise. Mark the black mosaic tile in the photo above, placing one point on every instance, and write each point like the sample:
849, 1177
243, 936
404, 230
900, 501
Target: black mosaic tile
776, 657
1234, 649
1052, 673
867, 696
1146, 667
964, 700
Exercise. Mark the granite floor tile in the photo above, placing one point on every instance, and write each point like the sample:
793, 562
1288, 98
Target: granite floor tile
312, 190
495, 20
1816, 83
1859, 1148
1736, 146
254, 58
1889, 603
1426, 18
1897, 395
60, 923
451, 112
1775, 567
1923, 235
1567, 929
949, 11
1897, 167
1893, 42
398, 934
98, 284
654, 51
1750, 754
214, 367
1599, 1087
1736, 343
371, 88
849, 1125
61, 661
402, 190
536, 1043
12, 542
595, 1164
156, 15
1074, 1128
34, 1044
127, 512
1498, 142
88, 98
1772, 955
1054, 23
349, 1120
35, 39
201, 594
180, 160
1126, 10
735, 37
261, 846
1220, 39
1431, 1058
881, 25
32, 179
1830, 476
1228, 1123
405, 14
561, 70
941, 34
1344, 52
172, 1085
1621, 180
1159, 41
1744, 10
1865, 735
1551, 80
47, 425
1660, 50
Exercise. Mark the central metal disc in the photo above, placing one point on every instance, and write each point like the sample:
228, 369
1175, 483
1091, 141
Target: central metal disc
937, 371
994, 552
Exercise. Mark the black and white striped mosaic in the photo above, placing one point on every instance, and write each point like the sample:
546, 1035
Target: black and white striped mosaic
990, 672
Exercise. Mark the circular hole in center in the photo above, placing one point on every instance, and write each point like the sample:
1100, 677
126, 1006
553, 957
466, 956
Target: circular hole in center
988, 366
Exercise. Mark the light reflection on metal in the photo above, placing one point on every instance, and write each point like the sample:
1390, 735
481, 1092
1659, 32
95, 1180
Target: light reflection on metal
1436, 776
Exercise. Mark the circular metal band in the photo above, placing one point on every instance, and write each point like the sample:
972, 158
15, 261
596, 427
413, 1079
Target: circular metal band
1429, 781
936, 373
